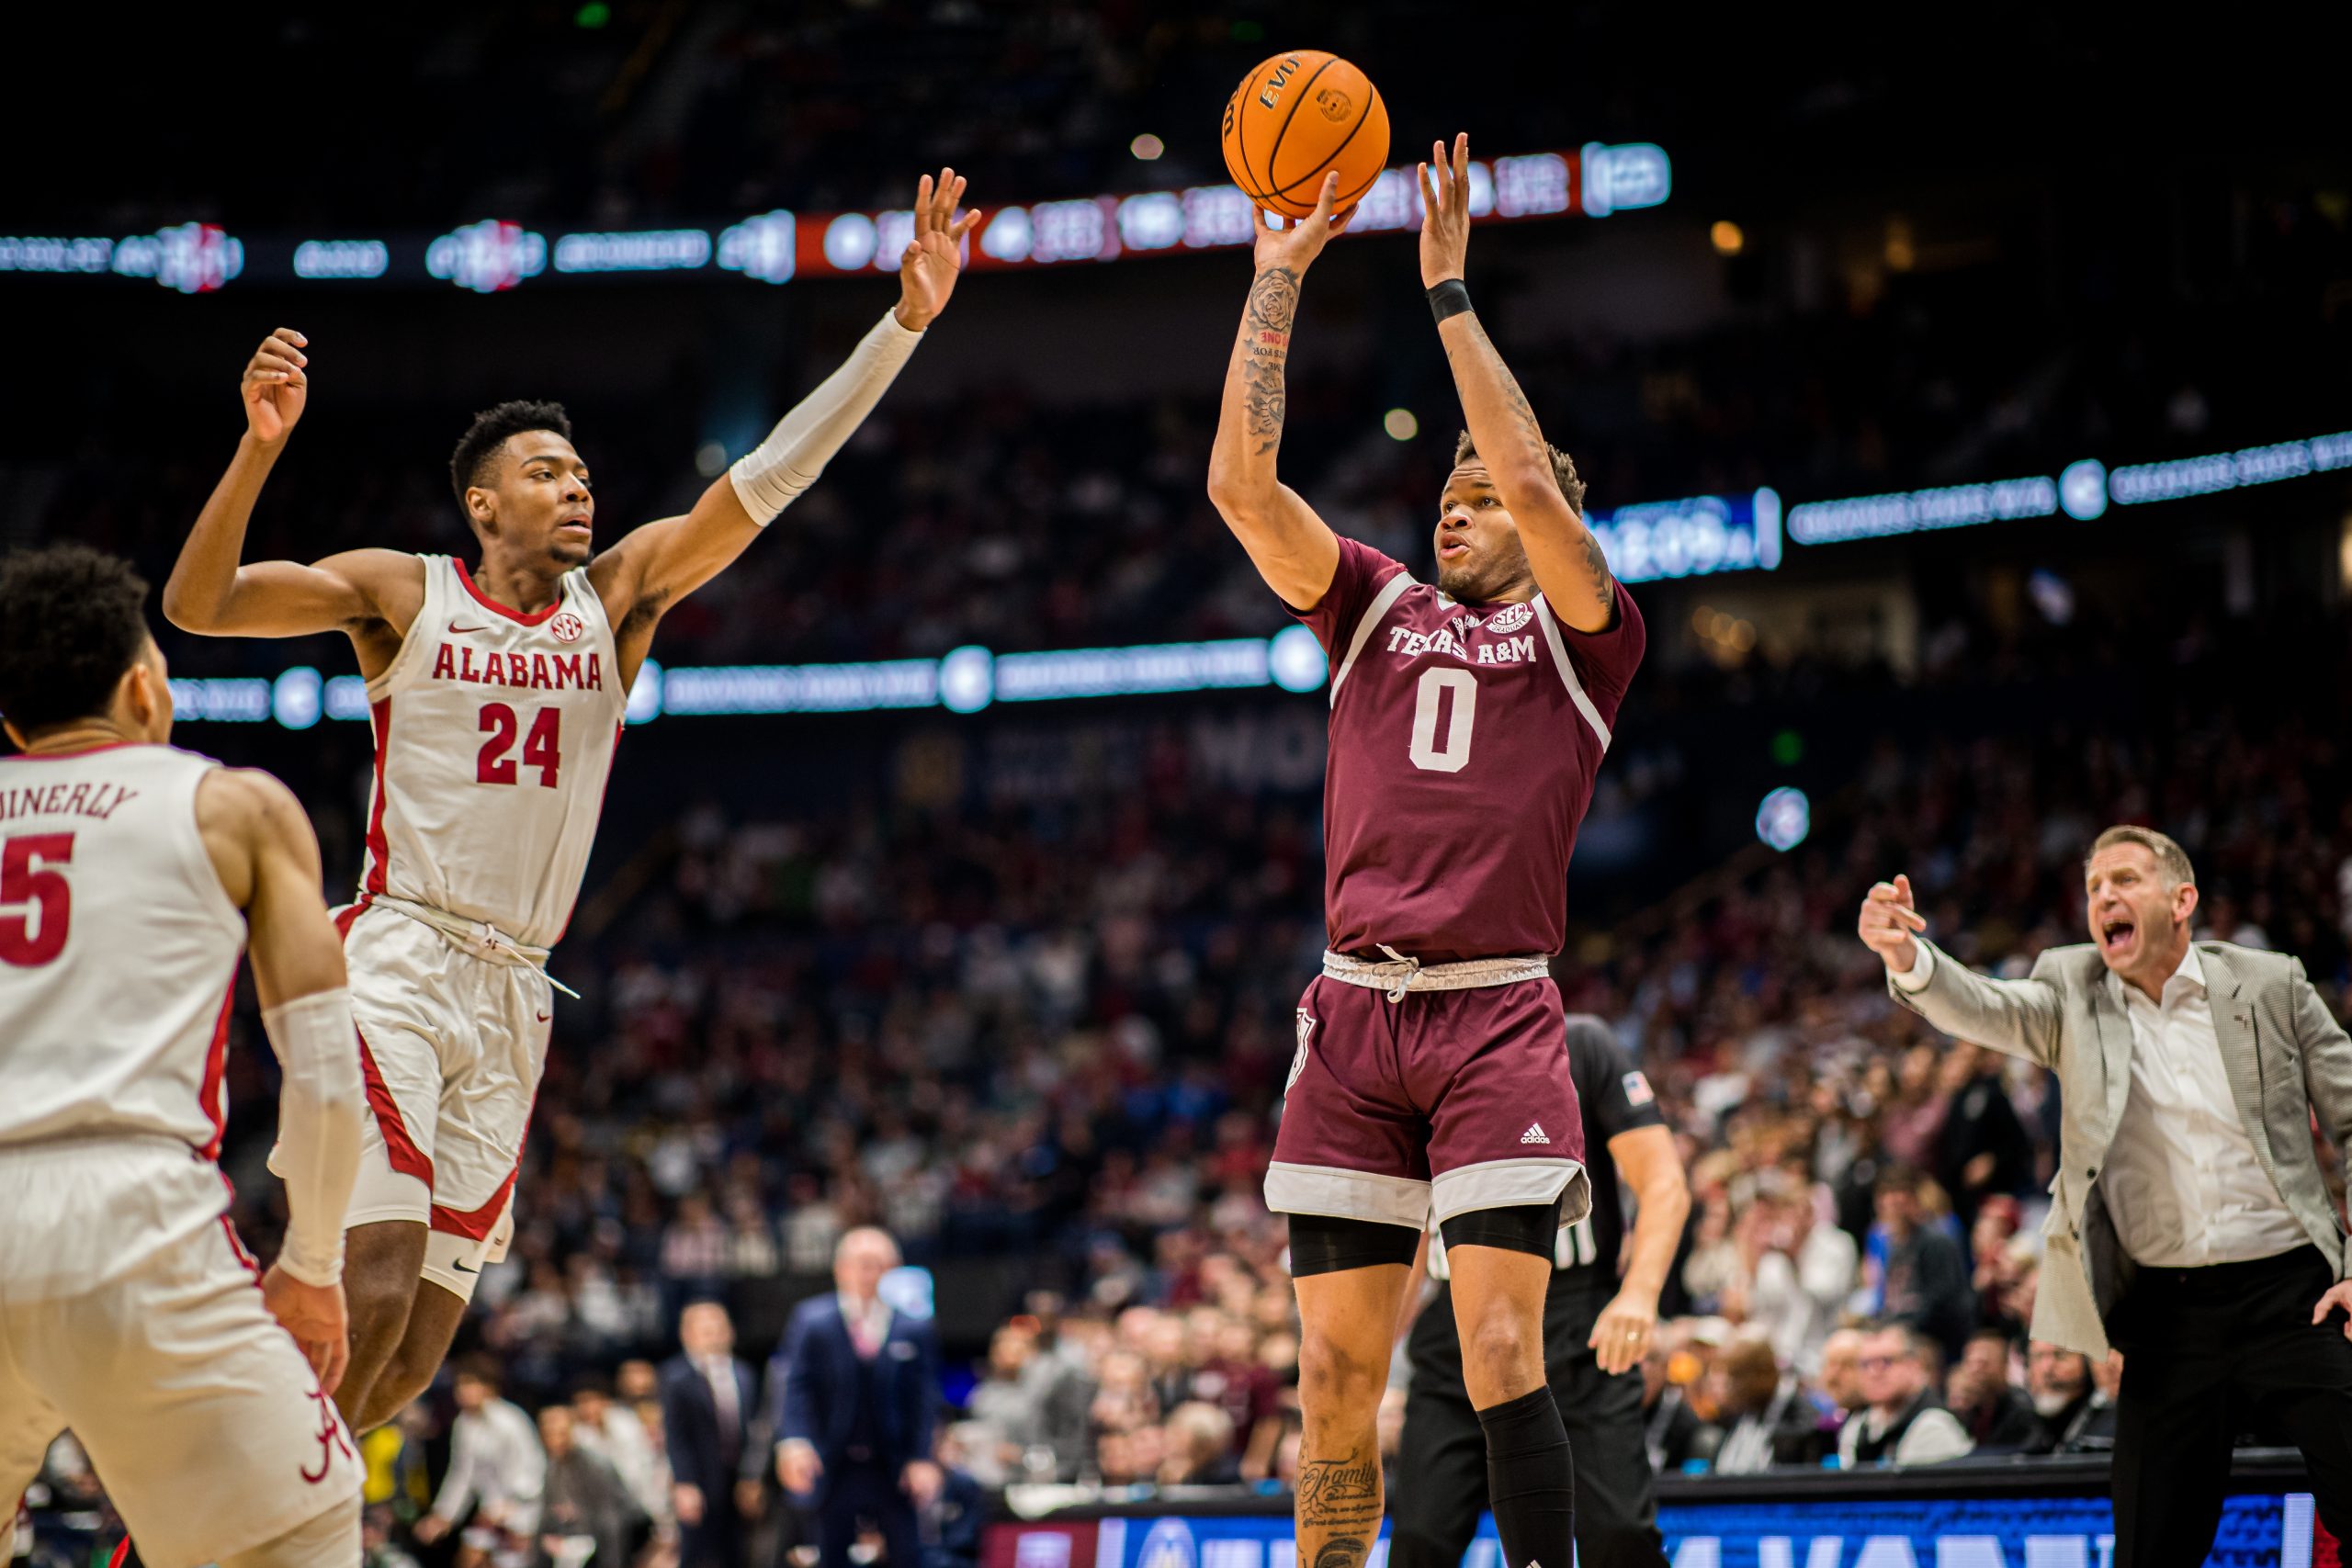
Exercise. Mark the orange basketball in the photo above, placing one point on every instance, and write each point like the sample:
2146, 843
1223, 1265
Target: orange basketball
1295, 117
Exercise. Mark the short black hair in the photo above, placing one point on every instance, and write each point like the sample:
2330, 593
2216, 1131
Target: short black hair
72, 620
1564, 468
489, 431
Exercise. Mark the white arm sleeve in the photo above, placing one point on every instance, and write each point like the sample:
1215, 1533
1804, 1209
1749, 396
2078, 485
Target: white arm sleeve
319, 1108
770, 475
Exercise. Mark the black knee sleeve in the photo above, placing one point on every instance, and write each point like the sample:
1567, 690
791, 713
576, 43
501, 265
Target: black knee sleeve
1327, 1244
1522, 1227
1531, 1480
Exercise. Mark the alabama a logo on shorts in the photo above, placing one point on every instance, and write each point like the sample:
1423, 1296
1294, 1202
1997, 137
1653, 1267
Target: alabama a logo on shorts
1298, 1062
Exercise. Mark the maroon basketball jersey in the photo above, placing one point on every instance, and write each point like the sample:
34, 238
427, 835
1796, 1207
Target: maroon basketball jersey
1464, 739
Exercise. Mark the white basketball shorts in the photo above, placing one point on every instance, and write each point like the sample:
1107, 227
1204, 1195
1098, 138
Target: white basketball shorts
451, 1046
130, 1313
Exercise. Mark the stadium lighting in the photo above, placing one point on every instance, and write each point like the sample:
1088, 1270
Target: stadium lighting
1146, 147
1784, 818
1726, 237
1400, 423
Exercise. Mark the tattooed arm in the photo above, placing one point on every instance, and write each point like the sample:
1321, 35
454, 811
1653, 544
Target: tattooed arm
1293, 550
1566, 558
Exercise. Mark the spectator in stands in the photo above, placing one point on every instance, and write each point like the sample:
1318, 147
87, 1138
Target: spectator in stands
2073, 1415
1765, 1416
1925, 1281
497, 1470
708, 1404
855, 1394
1802, 1274
605, 1427
1198, 1440
1902, 1422
1997, 1415
952, 1522
1981, 1150
1841, 1372
585, 1499
1671, 1429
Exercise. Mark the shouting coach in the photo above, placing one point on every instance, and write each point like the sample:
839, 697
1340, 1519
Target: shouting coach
2189, 1223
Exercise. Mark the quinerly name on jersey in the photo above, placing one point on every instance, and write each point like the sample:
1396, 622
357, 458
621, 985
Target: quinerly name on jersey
538, 671
98, 801
1506, 650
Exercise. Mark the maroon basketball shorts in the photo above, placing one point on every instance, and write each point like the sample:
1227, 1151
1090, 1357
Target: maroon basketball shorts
1417, 1089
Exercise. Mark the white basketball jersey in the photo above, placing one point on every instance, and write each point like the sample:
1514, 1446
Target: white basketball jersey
495, 735
119, 950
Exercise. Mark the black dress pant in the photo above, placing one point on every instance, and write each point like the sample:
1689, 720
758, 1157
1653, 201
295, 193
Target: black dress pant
1442, 1460
2207, 1353
865, 1492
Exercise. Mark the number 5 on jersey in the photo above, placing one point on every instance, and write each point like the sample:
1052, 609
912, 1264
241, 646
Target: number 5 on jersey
542, 748
36, 901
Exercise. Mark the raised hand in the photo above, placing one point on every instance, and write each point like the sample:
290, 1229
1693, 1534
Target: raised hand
929, 266
314, 1316
1445, 212
275, 386
1888, 919
1296, 245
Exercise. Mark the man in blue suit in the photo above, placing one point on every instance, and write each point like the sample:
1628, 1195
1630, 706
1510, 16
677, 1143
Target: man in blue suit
854, 1396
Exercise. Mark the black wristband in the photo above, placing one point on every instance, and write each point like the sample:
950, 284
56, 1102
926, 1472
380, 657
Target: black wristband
1449, 298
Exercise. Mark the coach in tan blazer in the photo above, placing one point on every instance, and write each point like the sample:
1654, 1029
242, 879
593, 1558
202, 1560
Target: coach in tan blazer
2190, 1226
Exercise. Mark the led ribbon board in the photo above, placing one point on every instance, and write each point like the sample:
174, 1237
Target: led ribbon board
493, 255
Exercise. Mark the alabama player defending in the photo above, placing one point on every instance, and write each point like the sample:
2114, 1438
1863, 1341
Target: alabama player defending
131, 876
496, 693
1468, 722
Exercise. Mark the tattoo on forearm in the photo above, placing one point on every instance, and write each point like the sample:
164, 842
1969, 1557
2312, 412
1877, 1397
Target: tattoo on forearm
1274, 305
1341, 1552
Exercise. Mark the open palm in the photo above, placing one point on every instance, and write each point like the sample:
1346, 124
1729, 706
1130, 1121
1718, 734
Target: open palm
928, 268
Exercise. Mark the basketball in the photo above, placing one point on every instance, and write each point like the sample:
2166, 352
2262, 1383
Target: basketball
1297, 116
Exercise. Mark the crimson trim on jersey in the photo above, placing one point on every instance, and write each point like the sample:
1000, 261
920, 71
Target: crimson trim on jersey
379, 850
400, 1150
517, 616
236, 1242
210, 1092
476, 1223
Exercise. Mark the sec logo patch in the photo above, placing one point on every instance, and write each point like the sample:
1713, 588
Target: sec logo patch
566, 627
1510, 618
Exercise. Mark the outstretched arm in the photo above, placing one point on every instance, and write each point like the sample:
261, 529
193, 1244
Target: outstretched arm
1293, 550
209, 591
267, 859
655, 566
1570, 567
2017, 1018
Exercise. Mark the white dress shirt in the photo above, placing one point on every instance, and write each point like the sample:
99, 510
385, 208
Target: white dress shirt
2182, 1180
494, 1455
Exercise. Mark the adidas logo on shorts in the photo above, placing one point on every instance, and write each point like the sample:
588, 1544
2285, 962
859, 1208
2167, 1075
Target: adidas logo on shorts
1535, 1134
